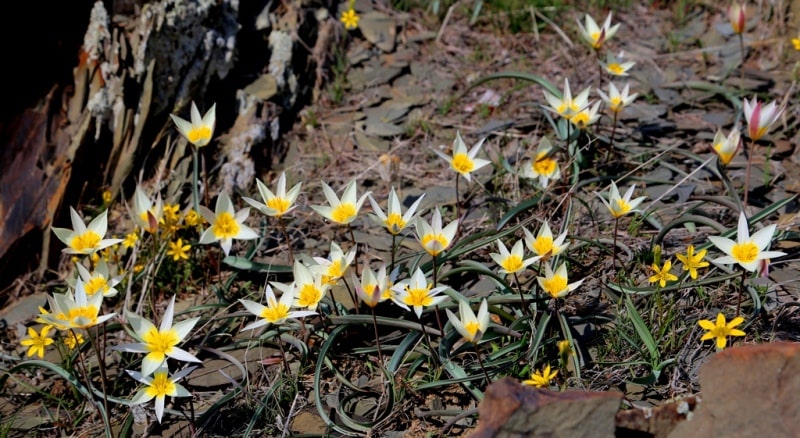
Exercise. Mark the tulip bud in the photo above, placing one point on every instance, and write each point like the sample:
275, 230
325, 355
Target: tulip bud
737, 14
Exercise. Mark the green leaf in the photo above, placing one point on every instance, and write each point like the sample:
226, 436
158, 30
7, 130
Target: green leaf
71, 379
517, 75
641, 329
249, 265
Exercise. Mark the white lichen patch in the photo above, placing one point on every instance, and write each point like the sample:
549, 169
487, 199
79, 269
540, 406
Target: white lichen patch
281, 44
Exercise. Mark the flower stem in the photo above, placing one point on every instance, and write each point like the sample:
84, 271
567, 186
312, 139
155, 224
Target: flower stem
355, 245
599, 68
438, 318
283, 353
747, 174
741, 66
741, 289
434, 270
525, 306
352, 294
377, 337
195, 173
611, 141
286, 238
480, 362
428, 341
614, 249
458, 204
96, 404
731, 189
394, 251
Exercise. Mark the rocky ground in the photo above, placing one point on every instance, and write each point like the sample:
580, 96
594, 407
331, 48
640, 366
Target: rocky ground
390, 93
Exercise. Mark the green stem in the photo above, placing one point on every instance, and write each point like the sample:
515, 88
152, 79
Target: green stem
747, 174
82, 366
731, 189
195, 173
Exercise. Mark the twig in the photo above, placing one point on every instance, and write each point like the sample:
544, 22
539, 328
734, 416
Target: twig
445, 21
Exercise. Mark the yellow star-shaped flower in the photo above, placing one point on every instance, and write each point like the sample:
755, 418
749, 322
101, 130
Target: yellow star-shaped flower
662, 275
350, 19
692, 261
178, 250
36, 342
541, 379
721, 330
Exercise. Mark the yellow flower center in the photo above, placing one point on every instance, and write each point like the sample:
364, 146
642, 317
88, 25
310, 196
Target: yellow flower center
82, 317
472, 328
543, 245
308, 296
567, 107
724, 157
745, 252
278, 204
616, 103
86, 241
160, 344
762, 130
369, 290
720, 331
394, 223
418, 297
344, 213
555, 285
226, 226
595, 39
512, 263
615, 68
462, 163
581, 119
95, 284
622, 208
434, 243
199, 134
544, 166
335, 270
149, 217
276, 312
162, 386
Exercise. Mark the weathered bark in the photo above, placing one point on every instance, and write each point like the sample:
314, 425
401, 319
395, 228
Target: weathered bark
138, 63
